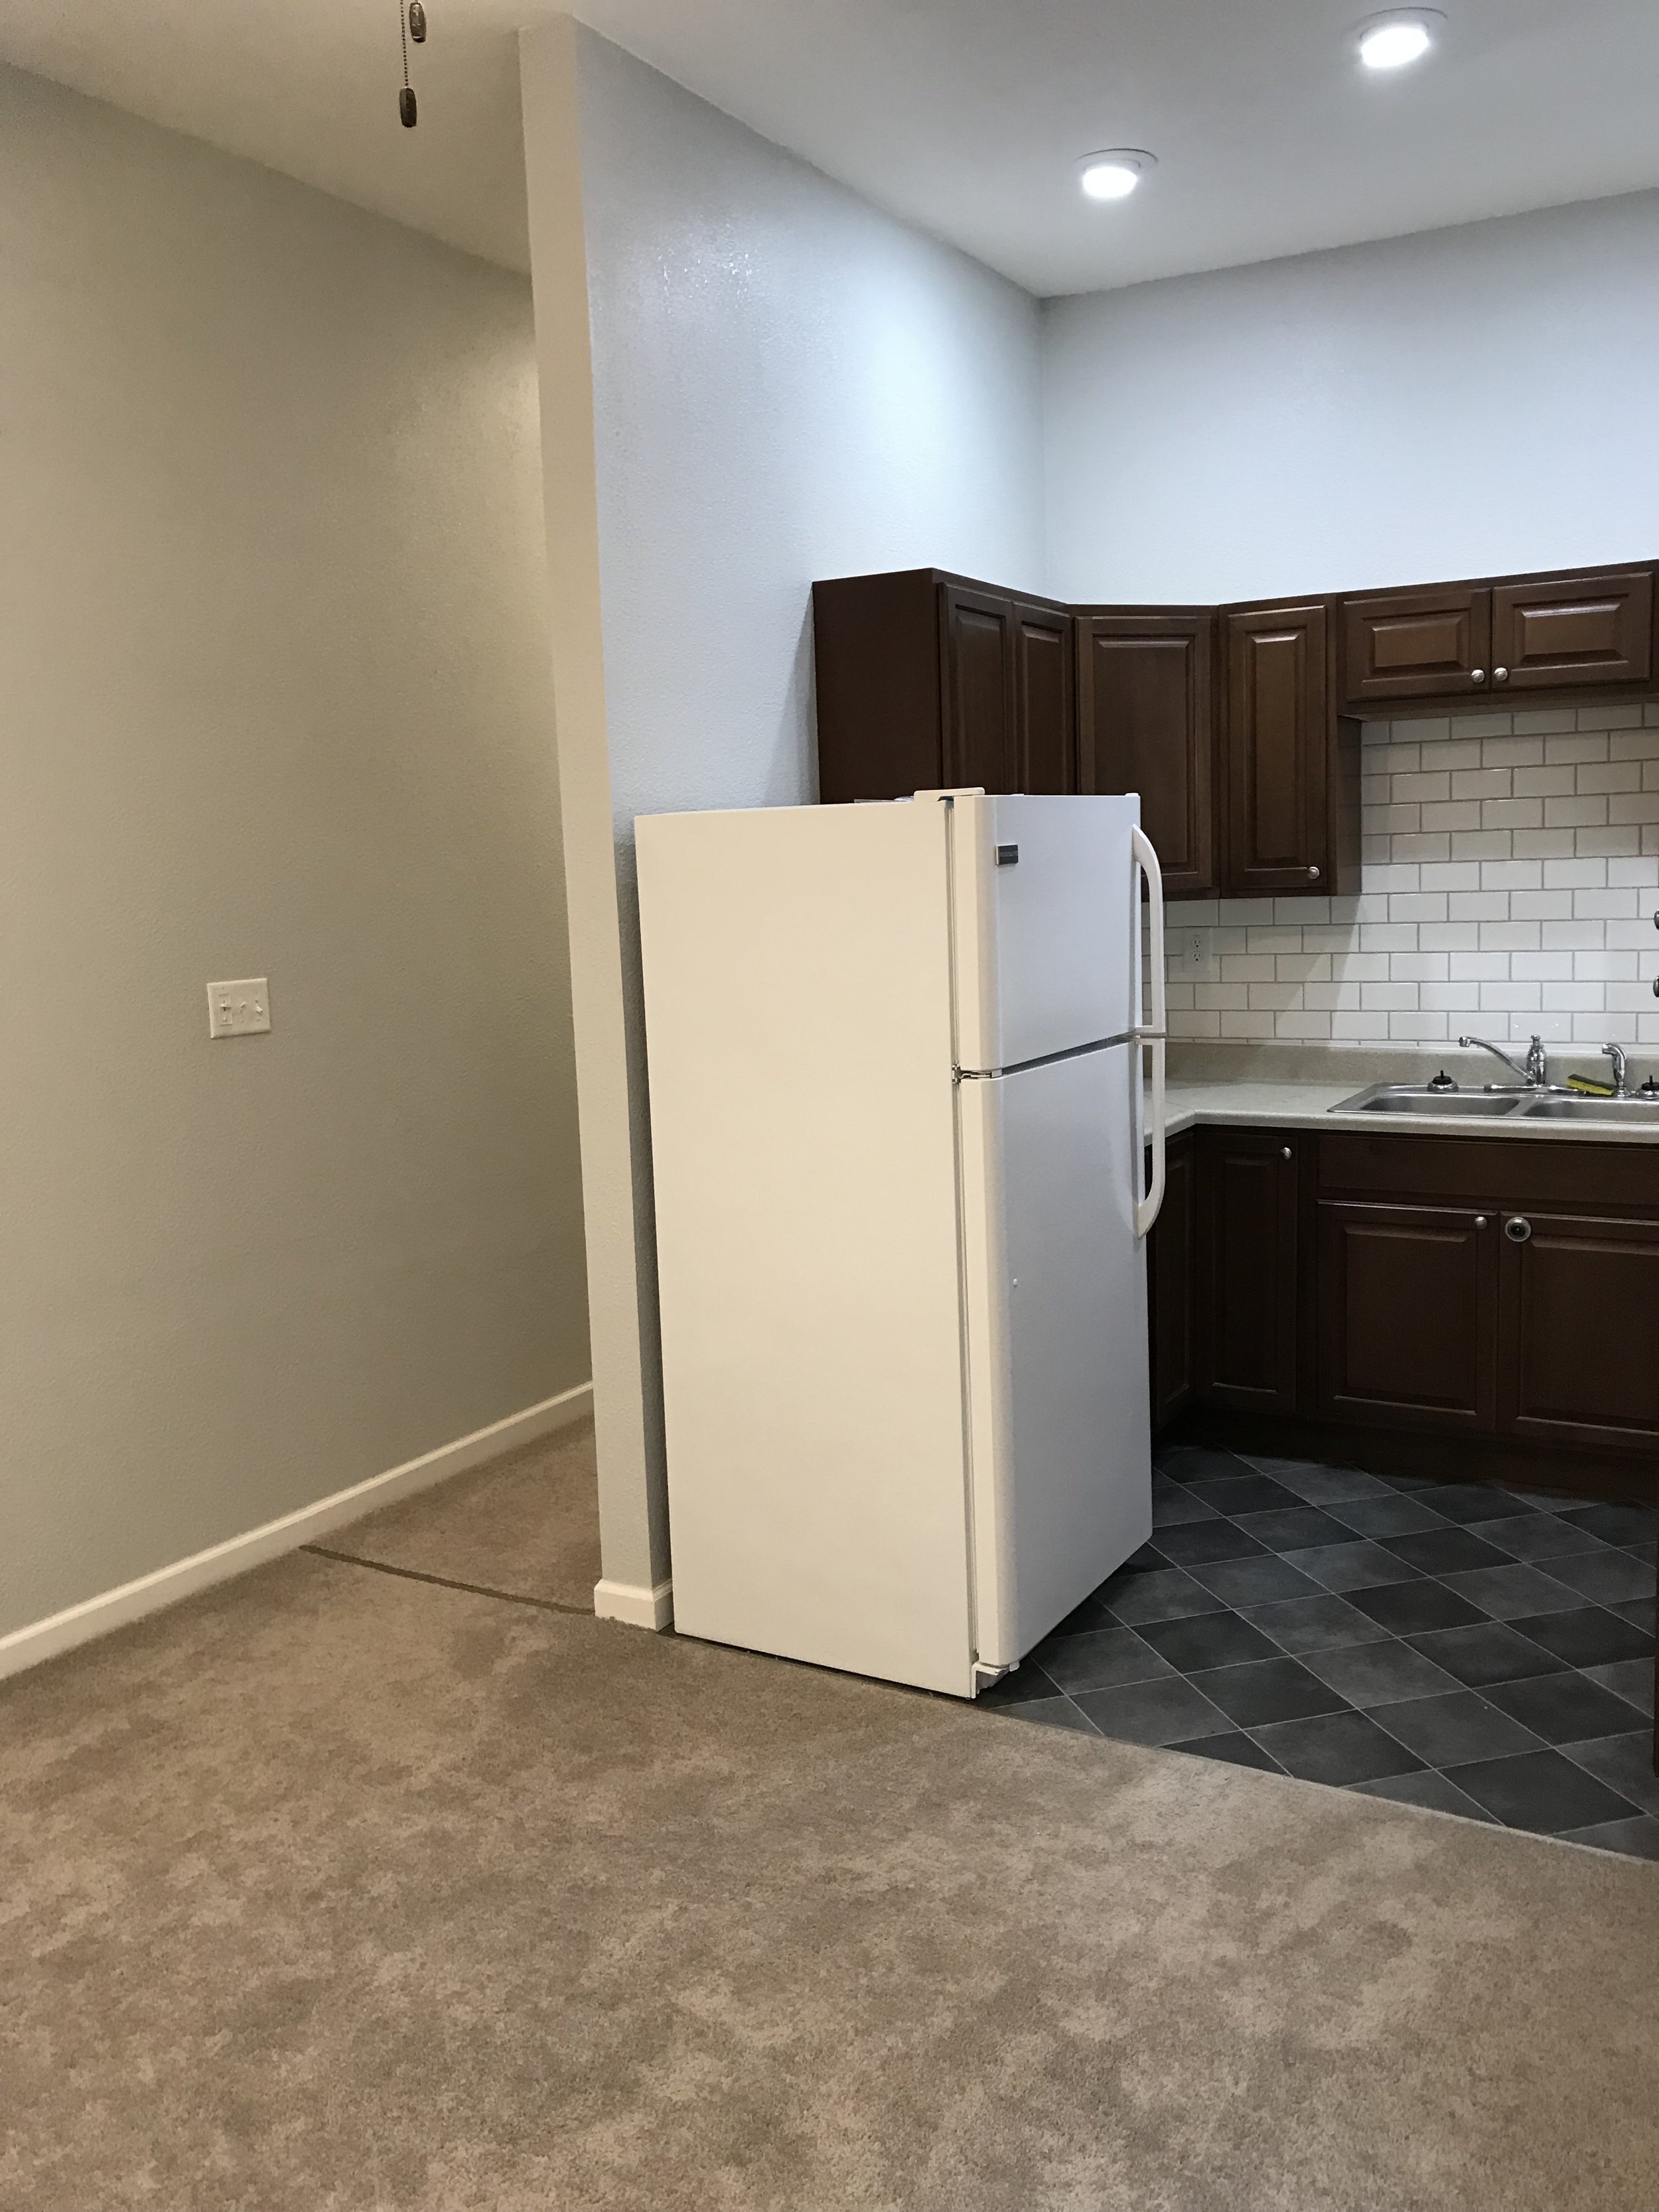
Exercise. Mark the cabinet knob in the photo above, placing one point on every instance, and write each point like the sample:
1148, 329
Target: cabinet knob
1500, 675
1312, 875
1286, 1153
1518, 1229
1477, 676
1479, 1220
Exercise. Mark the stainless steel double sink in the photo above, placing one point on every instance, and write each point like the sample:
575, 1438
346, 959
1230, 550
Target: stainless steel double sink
1497, 1103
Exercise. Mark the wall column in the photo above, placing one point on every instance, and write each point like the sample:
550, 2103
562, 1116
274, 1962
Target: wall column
609, 1070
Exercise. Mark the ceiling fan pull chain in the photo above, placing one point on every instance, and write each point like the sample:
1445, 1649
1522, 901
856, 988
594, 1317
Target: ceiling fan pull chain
407, 109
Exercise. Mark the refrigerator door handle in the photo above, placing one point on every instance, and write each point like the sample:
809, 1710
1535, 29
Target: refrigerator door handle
1151, 1032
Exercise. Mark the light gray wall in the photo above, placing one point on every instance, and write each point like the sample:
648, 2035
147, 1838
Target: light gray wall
1461, 402
786, 385
274, 700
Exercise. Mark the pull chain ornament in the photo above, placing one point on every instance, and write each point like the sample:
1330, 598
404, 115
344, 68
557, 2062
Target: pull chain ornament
412, 24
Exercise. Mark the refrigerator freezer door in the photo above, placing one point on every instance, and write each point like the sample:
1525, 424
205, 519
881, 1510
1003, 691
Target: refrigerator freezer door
797, 1019
1057, 1340
1046, 895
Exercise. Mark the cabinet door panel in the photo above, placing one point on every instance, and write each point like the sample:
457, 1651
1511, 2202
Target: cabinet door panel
1416, 645
1407, 1334
1045, 656
1247, 1258
1148, 725
1171, 1256
979, 651
1573, 630
1277, 751
1579, 1326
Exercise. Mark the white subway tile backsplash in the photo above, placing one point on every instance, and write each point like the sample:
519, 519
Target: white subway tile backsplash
1511, 937
1545, 782
1607, 905
1511, 876
1489, 844
1609, 775
1517, 998
1609, 718
1512, 814
1591, 813
1513, 752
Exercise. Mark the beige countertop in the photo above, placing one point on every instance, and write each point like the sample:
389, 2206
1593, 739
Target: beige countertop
1308, 1106
1281, 1087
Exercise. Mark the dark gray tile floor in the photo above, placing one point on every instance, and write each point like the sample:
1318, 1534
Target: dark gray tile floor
1481, 1650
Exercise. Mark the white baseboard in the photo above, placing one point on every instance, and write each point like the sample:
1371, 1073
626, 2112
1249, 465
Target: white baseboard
640, 1606
96, 1616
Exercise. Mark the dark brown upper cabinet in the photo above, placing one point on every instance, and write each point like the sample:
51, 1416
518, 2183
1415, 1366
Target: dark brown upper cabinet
1292, 765
1571, 630
976, 662
1453, 644
1237, 726
926, 680
1416, 645
1147, 723
1045, 697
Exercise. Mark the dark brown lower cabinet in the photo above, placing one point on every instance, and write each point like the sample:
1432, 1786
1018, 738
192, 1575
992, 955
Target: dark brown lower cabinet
1171, 1288
1503, 1292
1406, 1296
1247, 1269
1579, 1330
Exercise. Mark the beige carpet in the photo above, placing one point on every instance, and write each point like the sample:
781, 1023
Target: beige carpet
527, 1525
334, 1890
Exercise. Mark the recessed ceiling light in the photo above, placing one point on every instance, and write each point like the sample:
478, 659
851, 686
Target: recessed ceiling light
1390, 42
1114, 174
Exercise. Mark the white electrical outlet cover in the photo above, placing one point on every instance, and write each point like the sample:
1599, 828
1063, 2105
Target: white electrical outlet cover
240, 1009
1194, 947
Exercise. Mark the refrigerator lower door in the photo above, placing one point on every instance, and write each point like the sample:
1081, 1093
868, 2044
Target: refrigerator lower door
1055, 1309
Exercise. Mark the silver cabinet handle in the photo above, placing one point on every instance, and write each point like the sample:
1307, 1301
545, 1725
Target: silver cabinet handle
1479, 1220
1312, 875
1500, 675
1286, 1153
1518, 1229
1477, 676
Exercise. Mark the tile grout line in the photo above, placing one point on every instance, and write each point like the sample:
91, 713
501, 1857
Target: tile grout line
448, 1582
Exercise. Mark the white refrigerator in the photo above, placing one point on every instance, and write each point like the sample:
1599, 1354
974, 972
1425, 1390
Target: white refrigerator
895, 1057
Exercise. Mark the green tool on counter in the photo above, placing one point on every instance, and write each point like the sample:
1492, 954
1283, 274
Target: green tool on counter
1586, 1088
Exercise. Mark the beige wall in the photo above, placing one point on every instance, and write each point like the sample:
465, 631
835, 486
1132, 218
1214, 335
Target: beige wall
273, 700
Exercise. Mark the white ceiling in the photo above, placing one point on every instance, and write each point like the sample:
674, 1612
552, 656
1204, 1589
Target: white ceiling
967, 117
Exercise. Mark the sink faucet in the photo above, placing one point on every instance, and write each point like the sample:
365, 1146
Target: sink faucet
1534, 1074
1615, 1052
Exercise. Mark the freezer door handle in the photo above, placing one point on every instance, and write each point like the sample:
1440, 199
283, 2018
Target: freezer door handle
1151, 1030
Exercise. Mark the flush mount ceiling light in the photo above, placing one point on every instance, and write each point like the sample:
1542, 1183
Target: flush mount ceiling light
1391, 41
1114, 174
